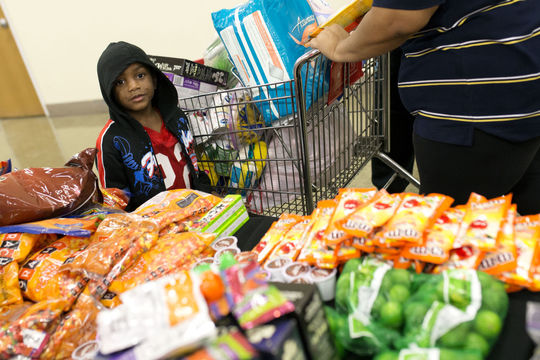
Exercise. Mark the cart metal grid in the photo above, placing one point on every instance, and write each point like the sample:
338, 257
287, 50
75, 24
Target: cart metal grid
285, 146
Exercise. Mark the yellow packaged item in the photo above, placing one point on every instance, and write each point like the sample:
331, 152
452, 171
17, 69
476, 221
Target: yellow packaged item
17, 246
40, 277
76, 327
415, 214
482, 222
504, 258
364, 220
349, 200
347, 16
273, 236
316, 251
527, 235
293, 241
439, 240
10, 293
172, 253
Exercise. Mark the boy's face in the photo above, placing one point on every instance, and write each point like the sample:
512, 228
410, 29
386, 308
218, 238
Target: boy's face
134, 88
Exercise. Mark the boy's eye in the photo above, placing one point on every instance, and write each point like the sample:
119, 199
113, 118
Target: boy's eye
141, 75
119, 82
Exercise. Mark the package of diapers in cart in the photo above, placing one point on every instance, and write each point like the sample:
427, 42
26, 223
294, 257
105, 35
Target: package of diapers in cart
262, 39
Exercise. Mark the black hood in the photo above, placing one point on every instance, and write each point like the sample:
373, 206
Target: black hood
113, 61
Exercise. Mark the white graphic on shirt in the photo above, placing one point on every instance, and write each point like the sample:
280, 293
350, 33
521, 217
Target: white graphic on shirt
148, 162
166, 167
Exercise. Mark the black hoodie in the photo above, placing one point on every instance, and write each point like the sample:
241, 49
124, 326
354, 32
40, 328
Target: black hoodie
123, 142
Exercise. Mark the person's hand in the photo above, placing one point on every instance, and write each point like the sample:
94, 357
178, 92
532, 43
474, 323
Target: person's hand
328, 39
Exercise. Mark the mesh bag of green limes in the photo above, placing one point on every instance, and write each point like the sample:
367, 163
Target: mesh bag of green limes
397, 314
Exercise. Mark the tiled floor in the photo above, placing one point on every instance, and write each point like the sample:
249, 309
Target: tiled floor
51, 142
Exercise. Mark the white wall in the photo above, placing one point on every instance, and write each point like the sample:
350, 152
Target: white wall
61, 40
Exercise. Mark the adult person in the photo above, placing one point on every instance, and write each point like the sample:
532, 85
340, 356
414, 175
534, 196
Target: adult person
470, 74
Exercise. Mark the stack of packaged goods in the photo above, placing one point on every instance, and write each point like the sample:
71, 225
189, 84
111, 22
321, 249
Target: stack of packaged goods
418, 276
93, 281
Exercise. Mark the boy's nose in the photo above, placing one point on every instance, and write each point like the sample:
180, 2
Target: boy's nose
133, 85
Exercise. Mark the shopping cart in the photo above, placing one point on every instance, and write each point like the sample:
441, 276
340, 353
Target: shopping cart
285, 146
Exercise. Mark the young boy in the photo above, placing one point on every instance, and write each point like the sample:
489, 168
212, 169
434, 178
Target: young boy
146, 146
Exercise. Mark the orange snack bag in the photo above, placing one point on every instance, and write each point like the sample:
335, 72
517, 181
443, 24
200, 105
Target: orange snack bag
40, 277
273, 236
438, 240
172, 253
175, 205
527, 235
346, 251
348, 200
364, 220
482, 222
316, 251
504, 258
364, 244
464, 257
294, 240
115, 198
116, 234
38, 320
76, 327
17, 246
415, 214
10, 293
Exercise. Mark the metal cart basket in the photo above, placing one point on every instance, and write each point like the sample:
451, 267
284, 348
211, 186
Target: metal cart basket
285, 146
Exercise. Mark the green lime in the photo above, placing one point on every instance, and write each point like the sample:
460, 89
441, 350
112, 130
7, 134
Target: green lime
399, 293
415, 312
454, 337
440, 291
391, 314
401, 276
386, 283
475, 341
377, 305
488, 324
495, 298
387, 355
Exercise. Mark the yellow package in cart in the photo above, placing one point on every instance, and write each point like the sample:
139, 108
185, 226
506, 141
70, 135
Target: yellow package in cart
293, 241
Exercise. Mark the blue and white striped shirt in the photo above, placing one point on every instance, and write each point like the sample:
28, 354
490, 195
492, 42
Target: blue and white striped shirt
475, 65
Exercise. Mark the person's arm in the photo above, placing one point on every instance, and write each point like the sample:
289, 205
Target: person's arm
380, 31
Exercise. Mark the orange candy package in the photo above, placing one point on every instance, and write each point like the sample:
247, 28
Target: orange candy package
482, 222
40, 277
116, 235
17, 246
175, 205
439, 240
527, 235
76, 327
272, 237
348, 200
316, 251
10, 293
503, 259
293, 241
415, 214
366, 219
172, 253
27, 329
